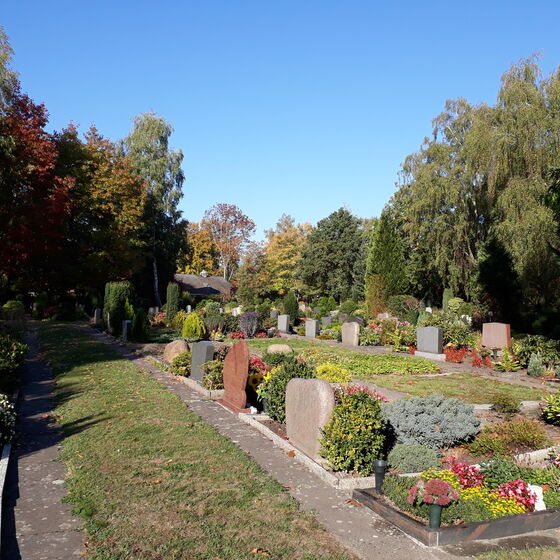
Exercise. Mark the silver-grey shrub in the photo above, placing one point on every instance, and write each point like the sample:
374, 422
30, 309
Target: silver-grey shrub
433, 420
407, 458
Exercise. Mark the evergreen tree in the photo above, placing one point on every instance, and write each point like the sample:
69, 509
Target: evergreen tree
172, 303
385, 265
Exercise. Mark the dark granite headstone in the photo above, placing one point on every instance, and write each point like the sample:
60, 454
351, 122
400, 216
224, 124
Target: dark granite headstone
202, 352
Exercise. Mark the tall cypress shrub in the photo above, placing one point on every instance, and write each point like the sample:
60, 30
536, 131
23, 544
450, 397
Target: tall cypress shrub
291, 307
385, 266
172, 303
116, 296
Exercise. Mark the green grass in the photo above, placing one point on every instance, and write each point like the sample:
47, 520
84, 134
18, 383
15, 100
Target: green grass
468, 387
465, 386
526, 554
152, 480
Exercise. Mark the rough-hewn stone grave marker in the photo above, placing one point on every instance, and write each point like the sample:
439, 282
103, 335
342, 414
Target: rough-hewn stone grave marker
236, 371
202, 352
309, 406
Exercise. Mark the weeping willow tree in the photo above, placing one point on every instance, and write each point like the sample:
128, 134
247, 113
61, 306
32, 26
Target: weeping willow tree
480, 182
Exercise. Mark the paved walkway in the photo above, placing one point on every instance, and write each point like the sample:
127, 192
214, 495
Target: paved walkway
358, 528
35, 524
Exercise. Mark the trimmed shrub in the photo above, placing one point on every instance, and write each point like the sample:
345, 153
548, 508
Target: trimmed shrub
549, 350
7, 420
333, 373
277, 358
116, 296
407, 458
434, 421
214, 321
249, 323
178, 320
405, 307
505, 403
12, 310
181, 364
447, 295
172, 303
355, 435
193, 328
536, 366
349, 306
139, 332
273, 388
291, 307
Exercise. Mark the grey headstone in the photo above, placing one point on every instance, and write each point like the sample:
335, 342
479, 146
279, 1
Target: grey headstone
358, 320
316, 309
189, 308
351, 334
309, 406
151, 310
325, 321
126, 328
311, 328
97, 315
429, 339
202, 352
284, 323
273, 314
342, 317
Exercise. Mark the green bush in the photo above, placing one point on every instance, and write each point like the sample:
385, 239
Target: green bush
213, 378
291, 307
333, 373
12, 310
277, 358
114, 310
505, 403
499, 471
273, 390
355, 435
172, 303
407, 458
193, 328
434, 421
447, 295
178, 320
405, 307
551, 499
348, 307
7, 420
12, 354
551, 413
214, 321
536, 366
513, 436
508, 362
549, 350
181, 364
139, 332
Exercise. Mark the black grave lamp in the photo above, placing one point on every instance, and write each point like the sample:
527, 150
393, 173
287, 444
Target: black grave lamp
379, 468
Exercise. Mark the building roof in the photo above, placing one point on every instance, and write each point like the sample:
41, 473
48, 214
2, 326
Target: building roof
198, 285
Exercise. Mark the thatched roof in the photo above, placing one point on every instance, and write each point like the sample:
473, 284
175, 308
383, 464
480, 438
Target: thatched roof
204, 285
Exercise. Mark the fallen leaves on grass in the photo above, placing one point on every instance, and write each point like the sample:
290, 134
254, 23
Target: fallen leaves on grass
260, 551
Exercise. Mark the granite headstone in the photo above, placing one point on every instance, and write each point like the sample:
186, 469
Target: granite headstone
202, 352
236, 371
311, 328
496, 335
351, 334
284, 323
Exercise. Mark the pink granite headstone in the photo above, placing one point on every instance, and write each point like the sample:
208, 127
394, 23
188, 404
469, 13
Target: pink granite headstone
496, 335
236, 371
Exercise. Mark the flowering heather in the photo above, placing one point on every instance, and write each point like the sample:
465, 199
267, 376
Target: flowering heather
353, 389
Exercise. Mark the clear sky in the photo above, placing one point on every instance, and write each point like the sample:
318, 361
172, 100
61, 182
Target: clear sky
292, 106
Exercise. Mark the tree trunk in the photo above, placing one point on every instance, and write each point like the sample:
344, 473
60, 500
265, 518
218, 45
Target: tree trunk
156, 284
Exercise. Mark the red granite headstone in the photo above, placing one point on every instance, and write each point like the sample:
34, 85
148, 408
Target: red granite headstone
496, 335
236, 371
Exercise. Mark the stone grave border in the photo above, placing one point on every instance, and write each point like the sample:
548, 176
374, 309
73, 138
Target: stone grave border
336, 480
512, 525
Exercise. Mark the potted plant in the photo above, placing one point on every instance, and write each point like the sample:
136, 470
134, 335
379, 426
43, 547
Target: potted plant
435, 492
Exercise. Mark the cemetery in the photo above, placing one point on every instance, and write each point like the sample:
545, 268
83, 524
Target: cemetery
184, 382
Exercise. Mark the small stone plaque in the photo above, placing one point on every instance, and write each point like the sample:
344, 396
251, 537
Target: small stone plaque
274, 314
351, 334
202, 352
496, 335
309, 406
97, 315
236, 371
342, 317
326, 321
311, 328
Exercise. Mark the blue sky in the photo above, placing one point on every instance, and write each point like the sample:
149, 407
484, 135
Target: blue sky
295, 107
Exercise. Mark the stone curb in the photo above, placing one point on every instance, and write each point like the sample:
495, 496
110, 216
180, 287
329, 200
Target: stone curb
4, 460
336, 481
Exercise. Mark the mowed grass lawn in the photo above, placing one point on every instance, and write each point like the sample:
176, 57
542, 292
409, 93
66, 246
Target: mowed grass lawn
152, 480
469, 387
